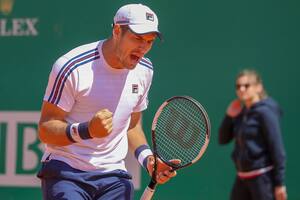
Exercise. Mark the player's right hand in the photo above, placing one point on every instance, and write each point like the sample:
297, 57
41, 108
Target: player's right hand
101, 124
163, 172
234, 108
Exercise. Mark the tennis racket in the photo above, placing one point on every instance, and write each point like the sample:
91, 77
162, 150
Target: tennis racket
180, 130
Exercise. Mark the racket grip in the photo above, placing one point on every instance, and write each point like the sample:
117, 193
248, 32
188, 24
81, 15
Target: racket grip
147, 194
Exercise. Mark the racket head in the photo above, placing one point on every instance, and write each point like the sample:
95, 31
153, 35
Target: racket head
180, 130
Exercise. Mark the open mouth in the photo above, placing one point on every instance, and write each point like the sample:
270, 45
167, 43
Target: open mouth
135, 58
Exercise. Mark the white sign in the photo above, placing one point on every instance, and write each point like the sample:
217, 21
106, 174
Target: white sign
18, 27
21, 151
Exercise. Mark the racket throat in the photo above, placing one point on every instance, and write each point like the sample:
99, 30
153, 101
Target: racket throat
152, 184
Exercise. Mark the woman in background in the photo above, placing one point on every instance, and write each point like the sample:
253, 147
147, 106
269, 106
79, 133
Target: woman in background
252, 120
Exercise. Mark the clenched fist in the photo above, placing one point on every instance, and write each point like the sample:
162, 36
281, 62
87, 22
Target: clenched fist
101, 124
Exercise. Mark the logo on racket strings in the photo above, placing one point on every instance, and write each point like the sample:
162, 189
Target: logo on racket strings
183, 133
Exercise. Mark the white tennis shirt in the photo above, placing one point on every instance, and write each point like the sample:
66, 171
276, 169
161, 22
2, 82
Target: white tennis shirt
82, 83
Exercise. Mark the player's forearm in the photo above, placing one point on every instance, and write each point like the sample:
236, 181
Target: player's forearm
137, 141
54, 132
136, 138
139, 147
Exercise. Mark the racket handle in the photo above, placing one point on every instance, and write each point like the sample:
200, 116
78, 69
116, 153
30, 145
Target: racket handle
149, 191
147, 194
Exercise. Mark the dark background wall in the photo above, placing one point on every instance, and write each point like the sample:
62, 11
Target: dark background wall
206, 44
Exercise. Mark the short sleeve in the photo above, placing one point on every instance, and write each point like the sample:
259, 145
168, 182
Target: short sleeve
61, 83
143, 102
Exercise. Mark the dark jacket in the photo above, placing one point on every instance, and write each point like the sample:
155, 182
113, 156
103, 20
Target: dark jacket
258, 141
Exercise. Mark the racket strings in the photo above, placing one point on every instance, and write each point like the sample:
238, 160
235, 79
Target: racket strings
181, 123
186, 141
181, 150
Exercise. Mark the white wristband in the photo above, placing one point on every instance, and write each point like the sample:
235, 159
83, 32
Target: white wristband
74, 133
141, 154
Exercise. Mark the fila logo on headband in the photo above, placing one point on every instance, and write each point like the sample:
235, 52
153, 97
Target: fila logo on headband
135, 88
150, 17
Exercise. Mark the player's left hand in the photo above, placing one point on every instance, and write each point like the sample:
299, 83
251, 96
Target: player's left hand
164, 172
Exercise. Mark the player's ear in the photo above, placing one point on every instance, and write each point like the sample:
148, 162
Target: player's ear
116, 30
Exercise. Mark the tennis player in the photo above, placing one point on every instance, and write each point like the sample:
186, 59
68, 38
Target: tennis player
92, 113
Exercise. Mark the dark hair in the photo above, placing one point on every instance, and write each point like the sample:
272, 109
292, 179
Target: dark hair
258, 80
124, 28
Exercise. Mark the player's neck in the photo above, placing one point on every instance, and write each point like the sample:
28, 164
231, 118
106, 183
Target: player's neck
109, 53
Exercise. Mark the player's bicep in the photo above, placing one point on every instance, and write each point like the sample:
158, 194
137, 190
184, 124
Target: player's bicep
52, 125
50, 111
135, 121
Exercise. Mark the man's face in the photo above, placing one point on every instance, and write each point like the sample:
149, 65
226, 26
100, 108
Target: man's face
132, 47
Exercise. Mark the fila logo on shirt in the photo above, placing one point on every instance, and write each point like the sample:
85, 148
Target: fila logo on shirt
135, 88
